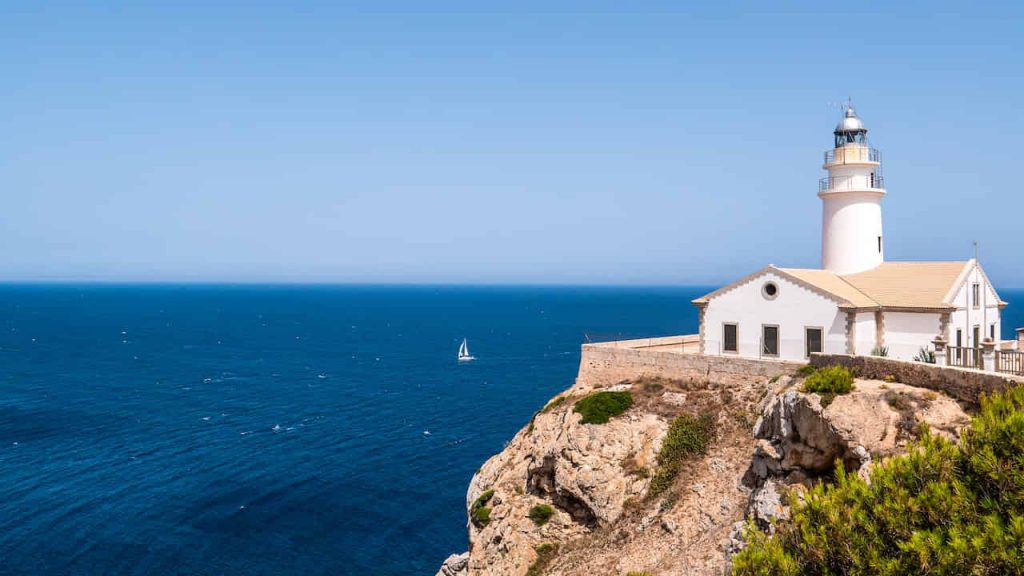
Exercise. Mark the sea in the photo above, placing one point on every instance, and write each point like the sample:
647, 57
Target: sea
293, 430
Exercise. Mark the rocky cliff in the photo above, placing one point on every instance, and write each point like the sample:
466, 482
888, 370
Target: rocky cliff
570, 498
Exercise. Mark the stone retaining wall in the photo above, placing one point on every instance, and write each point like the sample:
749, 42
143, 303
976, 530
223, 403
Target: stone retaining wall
607, 364
963, 384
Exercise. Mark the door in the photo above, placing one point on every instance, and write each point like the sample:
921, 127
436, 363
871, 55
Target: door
812, 341
769, 340
976, 353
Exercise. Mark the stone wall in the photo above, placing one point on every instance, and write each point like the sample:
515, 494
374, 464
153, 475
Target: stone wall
609, 363
963, 384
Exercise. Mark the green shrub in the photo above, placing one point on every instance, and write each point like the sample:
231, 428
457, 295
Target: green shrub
943, 508
541, 513
553, 404
479, 513
688, 436
639, 574
925, 355
830, 380
545, 554
600, 407
882, 351
806, 370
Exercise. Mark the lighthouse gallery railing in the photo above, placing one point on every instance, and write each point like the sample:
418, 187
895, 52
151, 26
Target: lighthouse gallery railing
852, 155
841, 183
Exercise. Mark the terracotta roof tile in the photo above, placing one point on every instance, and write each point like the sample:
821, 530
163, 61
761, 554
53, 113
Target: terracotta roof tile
913, 285
833, 284
909, 284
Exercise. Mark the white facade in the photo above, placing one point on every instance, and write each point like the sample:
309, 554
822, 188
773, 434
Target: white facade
906, 333
983, 315
865, 333
851, 232
793, 310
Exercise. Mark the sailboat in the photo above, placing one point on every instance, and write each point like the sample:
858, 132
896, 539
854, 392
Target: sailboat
464, 352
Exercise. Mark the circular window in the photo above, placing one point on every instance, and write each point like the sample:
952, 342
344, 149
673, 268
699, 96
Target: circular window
770, 290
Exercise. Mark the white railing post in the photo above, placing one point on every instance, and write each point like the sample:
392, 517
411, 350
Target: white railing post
988, 355
940, 351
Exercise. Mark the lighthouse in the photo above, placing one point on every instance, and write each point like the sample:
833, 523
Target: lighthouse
857, 303
851, 195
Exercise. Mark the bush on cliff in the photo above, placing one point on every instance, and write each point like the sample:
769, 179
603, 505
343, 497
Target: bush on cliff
479, 513
688, 436
541, 513
830, 380
806, 370
941, 509
545, 554
600, 407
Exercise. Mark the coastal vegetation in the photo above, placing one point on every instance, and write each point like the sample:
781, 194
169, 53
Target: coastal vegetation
600, 407
479, 513
687, 436
806, 370
541, 513
925, 355
829, 380
943, 508
555, 403
545, 554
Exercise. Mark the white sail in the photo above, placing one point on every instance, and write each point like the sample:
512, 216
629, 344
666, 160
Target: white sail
464, 351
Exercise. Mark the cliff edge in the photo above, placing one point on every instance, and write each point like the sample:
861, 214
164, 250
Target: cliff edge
664, 484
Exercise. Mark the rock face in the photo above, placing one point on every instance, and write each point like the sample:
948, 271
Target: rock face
769, 440
799, 441
585, 472
455, 565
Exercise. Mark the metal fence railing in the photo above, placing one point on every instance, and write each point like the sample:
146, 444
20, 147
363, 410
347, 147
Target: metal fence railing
1010, 362
852, 155
843, 183
964, 357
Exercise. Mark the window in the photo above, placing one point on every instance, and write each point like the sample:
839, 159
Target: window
992, 331
770, 290
812, 341
879, 244
977, 337
976, 295
730, 338
769, 340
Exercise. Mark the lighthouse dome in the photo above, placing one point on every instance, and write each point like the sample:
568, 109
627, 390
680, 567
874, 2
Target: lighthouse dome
850, 123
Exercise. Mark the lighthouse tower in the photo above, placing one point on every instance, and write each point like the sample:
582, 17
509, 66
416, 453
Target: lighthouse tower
851, 230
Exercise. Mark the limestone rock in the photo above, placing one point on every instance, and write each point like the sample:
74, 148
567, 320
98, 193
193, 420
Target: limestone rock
596, 477
455, 565
766, 504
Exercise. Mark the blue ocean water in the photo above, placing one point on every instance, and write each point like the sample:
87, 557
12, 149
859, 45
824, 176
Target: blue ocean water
274, 430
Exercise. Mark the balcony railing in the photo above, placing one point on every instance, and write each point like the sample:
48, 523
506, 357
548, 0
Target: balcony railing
964, 357
843, 183
1010, 362
852, 155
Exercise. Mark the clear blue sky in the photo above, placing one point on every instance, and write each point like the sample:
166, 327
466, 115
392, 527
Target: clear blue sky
542, 142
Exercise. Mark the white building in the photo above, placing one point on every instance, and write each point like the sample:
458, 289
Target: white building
857, 303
